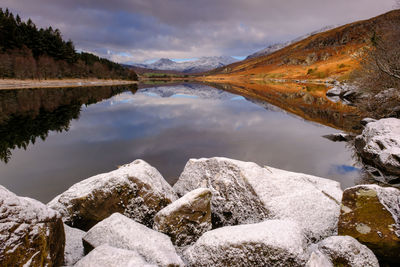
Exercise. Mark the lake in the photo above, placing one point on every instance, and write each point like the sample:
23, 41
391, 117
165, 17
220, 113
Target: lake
53, 138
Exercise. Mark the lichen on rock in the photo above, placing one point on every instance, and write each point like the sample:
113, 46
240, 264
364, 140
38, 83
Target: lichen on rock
371, 214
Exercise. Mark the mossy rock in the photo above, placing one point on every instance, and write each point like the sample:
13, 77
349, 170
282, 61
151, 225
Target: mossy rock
370, 214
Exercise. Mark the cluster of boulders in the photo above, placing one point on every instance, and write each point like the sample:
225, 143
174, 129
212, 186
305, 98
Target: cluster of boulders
221, 212
343, 92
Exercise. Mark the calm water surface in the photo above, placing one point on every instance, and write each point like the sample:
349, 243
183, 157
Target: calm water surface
53, 138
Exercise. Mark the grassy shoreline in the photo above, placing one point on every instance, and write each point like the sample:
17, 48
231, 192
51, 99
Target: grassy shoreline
9, 84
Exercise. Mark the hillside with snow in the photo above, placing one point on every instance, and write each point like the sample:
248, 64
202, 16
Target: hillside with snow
275, 47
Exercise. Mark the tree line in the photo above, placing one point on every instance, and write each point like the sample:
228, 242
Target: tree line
27, 52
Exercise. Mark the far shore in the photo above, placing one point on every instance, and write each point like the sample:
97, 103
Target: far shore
7, 84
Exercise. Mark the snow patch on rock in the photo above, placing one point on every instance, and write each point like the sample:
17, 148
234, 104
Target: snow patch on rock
275, 242
137, 189
107, 256
121, 232
74, 250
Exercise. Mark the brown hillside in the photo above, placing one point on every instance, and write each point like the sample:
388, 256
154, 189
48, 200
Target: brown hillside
331, 54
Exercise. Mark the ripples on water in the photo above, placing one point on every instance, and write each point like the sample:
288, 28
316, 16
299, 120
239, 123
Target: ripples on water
53, 138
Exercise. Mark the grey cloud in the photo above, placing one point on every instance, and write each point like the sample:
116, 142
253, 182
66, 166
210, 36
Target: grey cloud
147, 29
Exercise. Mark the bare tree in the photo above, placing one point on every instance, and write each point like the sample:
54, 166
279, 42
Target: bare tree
379, 75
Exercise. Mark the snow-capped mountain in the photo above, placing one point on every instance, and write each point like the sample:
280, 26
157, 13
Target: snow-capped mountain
275, 47
199, 65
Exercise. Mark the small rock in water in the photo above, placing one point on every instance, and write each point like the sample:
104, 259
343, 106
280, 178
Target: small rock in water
107, 256
121, 232
341, 251
269, 243
371, 214
186, 219
31, 234
137, 190
338, 137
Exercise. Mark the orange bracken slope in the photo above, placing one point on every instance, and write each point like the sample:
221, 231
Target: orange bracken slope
328, 55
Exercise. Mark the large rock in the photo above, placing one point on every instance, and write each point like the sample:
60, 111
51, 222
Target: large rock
379, 145
121, 232
270, 243
186, 219
137, 190
31, 234
107, 256
341, 251
371, 214
244, 192
74, 250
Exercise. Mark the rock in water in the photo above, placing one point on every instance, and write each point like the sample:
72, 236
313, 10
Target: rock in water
107, 256
244, 192
270, 243
371, 214
31, 234
379, 145
121, 232
74, 250
137, 190
341, 251
186, 219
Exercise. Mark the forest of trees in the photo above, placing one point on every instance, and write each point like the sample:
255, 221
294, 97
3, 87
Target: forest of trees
27, 52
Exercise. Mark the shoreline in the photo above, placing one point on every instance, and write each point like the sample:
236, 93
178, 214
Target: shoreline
15, 84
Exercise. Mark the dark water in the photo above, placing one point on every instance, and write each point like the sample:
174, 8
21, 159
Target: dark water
53, 138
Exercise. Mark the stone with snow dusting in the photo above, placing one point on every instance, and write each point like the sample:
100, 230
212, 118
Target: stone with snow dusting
379, 145
107, 256
244, 192
371, 214
341, 251
31, 234
186, 219
137, 190
270, 243
121, 232
73, 245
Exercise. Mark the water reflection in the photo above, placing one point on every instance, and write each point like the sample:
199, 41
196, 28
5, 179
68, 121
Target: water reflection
166, 126
26, 115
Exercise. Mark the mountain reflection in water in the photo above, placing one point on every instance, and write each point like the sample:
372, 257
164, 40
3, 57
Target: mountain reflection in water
165, 126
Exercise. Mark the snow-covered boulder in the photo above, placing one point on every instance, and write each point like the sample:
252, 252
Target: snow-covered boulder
186, 219
270, 243
137, 190
74, 250
341, 251
379, 145
31, 234
244, 192
121, 232
371, 214
107, 256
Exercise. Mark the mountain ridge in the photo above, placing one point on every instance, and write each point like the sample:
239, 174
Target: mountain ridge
196, 66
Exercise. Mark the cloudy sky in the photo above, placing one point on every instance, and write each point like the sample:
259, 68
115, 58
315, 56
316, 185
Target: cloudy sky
143, 30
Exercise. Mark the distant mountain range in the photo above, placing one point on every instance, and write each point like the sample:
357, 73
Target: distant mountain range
275, 47
195, 66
